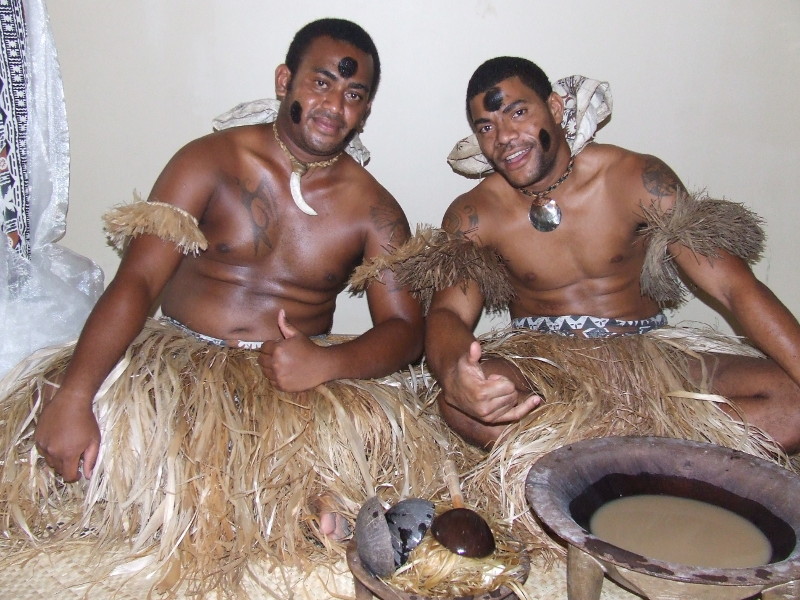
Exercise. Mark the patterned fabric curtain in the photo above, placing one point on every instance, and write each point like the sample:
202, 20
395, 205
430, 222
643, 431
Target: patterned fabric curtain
46, 290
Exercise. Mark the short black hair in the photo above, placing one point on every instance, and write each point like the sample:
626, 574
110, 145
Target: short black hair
495, 70
338, 29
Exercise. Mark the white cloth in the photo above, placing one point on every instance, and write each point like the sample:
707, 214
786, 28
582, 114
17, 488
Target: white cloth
265, 110
587, 103
47, 292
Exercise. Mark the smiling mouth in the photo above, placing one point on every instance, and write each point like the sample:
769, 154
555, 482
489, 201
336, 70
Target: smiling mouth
515, 156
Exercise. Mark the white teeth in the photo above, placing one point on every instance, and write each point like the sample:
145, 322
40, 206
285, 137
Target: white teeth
297, 194
515, 155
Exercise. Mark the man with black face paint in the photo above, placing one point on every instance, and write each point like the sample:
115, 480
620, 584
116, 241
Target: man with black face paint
588, 244
247, 238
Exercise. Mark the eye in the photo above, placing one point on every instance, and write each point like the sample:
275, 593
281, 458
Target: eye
320, 83
484, 129
519, 113
354, 96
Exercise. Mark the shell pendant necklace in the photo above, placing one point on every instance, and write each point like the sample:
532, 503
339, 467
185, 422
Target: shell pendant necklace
298, 170
545, 214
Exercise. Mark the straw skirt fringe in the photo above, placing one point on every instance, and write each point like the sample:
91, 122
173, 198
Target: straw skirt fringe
204, 463
630, 385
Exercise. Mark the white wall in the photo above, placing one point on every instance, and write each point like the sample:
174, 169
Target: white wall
709, 86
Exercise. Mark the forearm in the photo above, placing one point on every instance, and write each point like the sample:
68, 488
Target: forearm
770, 326
115, 321
385, 348
447, 338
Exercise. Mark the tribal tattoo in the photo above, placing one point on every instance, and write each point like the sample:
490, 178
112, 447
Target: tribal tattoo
454, 221
386, 217
658, 178
263, 216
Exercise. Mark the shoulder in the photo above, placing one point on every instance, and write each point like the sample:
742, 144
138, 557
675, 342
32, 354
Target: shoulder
636, 174
474, 209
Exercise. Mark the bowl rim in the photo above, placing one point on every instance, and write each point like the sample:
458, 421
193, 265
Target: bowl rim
548, 473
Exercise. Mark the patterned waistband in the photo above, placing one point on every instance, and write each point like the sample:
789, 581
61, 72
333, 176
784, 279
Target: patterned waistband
211, 340
590, 327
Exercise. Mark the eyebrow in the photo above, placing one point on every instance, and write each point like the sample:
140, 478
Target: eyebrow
332, 76
511, 107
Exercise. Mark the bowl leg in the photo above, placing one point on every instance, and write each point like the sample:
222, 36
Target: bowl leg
785, 591
584, 575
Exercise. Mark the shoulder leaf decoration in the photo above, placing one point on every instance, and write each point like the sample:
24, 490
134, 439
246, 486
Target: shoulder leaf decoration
434, 259
705, 226
165, 221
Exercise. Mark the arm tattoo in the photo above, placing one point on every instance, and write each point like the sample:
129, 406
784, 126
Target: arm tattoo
659, 179
261, 208
454, 220
387, 217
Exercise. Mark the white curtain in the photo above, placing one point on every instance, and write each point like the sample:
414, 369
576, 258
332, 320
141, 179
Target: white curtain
46, 290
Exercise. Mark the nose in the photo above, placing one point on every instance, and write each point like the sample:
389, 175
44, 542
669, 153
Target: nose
505, 132
334, 102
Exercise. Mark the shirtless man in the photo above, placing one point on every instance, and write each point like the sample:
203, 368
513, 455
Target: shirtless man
588, 262
270, 272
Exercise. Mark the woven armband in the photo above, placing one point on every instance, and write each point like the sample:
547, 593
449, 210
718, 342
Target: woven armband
165, 221
703, 225
433, 260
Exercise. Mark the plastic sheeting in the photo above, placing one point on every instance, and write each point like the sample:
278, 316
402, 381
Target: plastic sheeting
49, 290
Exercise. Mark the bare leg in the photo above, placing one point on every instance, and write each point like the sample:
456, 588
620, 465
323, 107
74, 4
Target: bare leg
763, 391
331, 522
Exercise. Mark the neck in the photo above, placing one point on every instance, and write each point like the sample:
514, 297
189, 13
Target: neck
536, 194
299, 166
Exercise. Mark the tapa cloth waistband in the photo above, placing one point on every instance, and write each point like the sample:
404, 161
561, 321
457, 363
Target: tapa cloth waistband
209, 339
590, 327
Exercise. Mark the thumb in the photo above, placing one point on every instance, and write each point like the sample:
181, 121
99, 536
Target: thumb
287, 329
89, 459
475, 353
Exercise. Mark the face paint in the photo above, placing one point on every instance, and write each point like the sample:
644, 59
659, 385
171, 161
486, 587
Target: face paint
348, 67
493, 99
295, 112
544, 140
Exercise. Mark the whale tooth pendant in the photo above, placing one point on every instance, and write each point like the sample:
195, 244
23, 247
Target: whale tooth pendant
297, 194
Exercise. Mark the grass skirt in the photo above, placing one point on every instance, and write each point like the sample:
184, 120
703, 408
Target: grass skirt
627, 385
204, 464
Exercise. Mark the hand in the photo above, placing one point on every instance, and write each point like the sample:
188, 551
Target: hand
292, 363
492, 399
66, 432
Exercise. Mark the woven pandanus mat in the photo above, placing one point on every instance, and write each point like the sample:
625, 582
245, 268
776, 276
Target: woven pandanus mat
69, 575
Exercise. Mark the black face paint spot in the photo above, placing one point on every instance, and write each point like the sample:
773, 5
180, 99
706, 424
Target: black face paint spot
544, 140
493, 99
348, 67
295, 112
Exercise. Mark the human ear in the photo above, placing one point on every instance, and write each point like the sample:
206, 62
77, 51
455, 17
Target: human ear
283, 79
555, 103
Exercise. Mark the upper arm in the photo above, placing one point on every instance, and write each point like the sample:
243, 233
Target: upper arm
465, 300
188, 182
387, 228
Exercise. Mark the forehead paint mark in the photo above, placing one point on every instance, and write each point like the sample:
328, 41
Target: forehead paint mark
544, 140
295, 112
493, 99
348, 67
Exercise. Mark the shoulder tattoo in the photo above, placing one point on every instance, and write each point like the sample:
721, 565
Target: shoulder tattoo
388, 218
261, 207
462, 218
658, 179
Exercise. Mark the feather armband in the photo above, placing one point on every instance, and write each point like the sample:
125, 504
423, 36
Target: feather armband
165, 221
434, 259
703, 225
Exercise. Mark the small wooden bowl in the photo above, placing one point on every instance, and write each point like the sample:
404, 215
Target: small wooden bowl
368, 585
